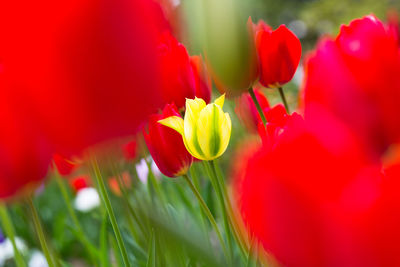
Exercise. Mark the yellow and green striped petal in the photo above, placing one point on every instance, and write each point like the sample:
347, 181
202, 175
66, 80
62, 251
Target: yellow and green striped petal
173, 122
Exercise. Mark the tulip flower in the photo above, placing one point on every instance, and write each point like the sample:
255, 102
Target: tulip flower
177, 77
247, 111
365, 90
205, 130
166, 145
90, 75
279, 53
315, 199
64, 165
79, 182
24, 153
220, 30
202, 78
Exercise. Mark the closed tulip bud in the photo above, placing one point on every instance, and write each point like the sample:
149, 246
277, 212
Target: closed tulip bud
205, 130
166, 145
279, 54
177, 78
219, 29
202, 78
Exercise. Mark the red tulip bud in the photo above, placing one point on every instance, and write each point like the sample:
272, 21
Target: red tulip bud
202, 78
177, 78
279, 54
166, 145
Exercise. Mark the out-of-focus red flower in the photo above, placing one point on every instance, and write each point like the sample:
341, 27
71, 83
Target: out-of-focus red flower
357, 77
247, 111
79, 182
166, 145
89, 75
279, 53
64, 165
130, 150
114, 186
315, 199
202, 78
177, 78
24, 153
277, 122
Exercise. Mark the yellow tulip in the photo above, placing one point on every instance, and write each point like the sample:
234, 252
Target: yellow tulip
205, 129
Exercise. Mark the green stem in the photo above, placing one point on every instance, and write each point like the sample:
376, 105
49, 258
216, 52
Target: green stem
280, 89
81, 234
127, 203
259, 109
220, 196
10, 232
231, 216
110, 211
40, 233
207, 212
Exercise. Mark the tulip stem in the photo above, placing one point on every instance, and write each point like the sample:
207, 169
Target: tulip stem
259, 109
206, 211
40, 233
10, 232
231, 215
81, 234
221, 199
280, 89
110, 211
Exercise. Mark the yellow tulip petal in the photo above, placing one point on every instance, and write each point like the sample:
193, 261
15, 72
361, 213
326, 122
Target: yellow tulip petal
210, 132
195, 106
226, 129
173, 122
193, 109
220, 101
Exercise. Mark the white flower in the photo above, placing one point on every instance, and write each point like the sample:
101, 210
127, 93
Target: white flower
87, 199
37, 260
7, 251
142, 171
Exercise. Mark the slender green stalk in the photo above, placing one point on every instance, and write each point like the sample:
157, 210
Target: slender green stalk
259, 109
127, 203
280, 89
155, 183
110, 211
10, 232
39, 231
207, 212
202, 213
231, 216
81, 234
217, 188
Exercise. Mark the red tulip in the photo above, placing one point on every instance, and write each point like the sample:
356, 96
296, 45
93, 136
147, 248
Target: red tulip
277, 122
314, 199
79, 182
83, 71
279, 54
246, 109
64, 166
364, 91
177, 78
24, 153
202, 78
166, 145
